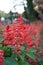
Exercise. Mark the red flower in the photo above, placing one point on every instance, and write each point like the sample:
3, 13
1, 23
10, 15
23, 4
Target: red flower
1, 57
1, 53
21, 34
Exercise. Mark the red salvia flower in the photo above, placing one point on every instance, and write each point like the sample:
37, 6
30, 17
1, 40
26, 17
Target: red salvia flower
20, 34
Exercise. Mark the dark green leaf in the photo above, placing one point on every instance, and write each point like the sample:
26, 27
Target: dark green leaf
0, 45
23, 63
10, 61
31, 55
22, 48
1, 40
1, 31
32, 50
10, 46
21, 57
7, 51
40, 63
1, 48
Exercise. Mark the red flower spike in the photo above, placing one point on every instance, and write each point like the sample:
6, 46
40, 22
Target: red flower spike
20, 34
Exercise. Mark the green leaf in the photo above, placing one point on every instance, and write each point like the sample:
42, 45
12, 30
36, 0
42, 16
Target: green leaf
14, 56
1, 31
7, 51
10, 46
1, 40
32, 50
40, 63
22, 58
23, 63
10, 61
31, 55
1, 48
0, 45
22, 48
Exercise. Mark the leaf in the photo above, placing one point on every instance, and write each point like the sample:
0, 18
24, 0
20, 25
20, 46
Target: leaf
1, 48
0, 45
1, 31
1, 40
14, 56
23, 63
7, 51
10, 46
32, 50
31, 55
40, 63
10, 61
26, 63
21, 57
22, 48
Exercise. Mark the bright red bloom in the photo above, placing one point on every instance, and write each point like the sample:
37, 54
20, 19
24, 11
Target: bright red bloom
1, 57
20, 34
1, 53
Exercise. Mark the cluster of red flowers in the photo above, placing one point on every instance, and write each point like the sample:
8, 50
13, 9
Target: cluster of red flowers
21, 34
1, 57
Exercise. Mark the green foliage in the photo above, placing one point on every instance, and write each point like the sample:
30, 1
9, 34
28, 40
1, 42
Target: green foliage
21, 57
7, 50
29, 12
40, 63
23, 63
1, 40
10, 61
31, 55
22, 48
1, 31
30, 52
10, 15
